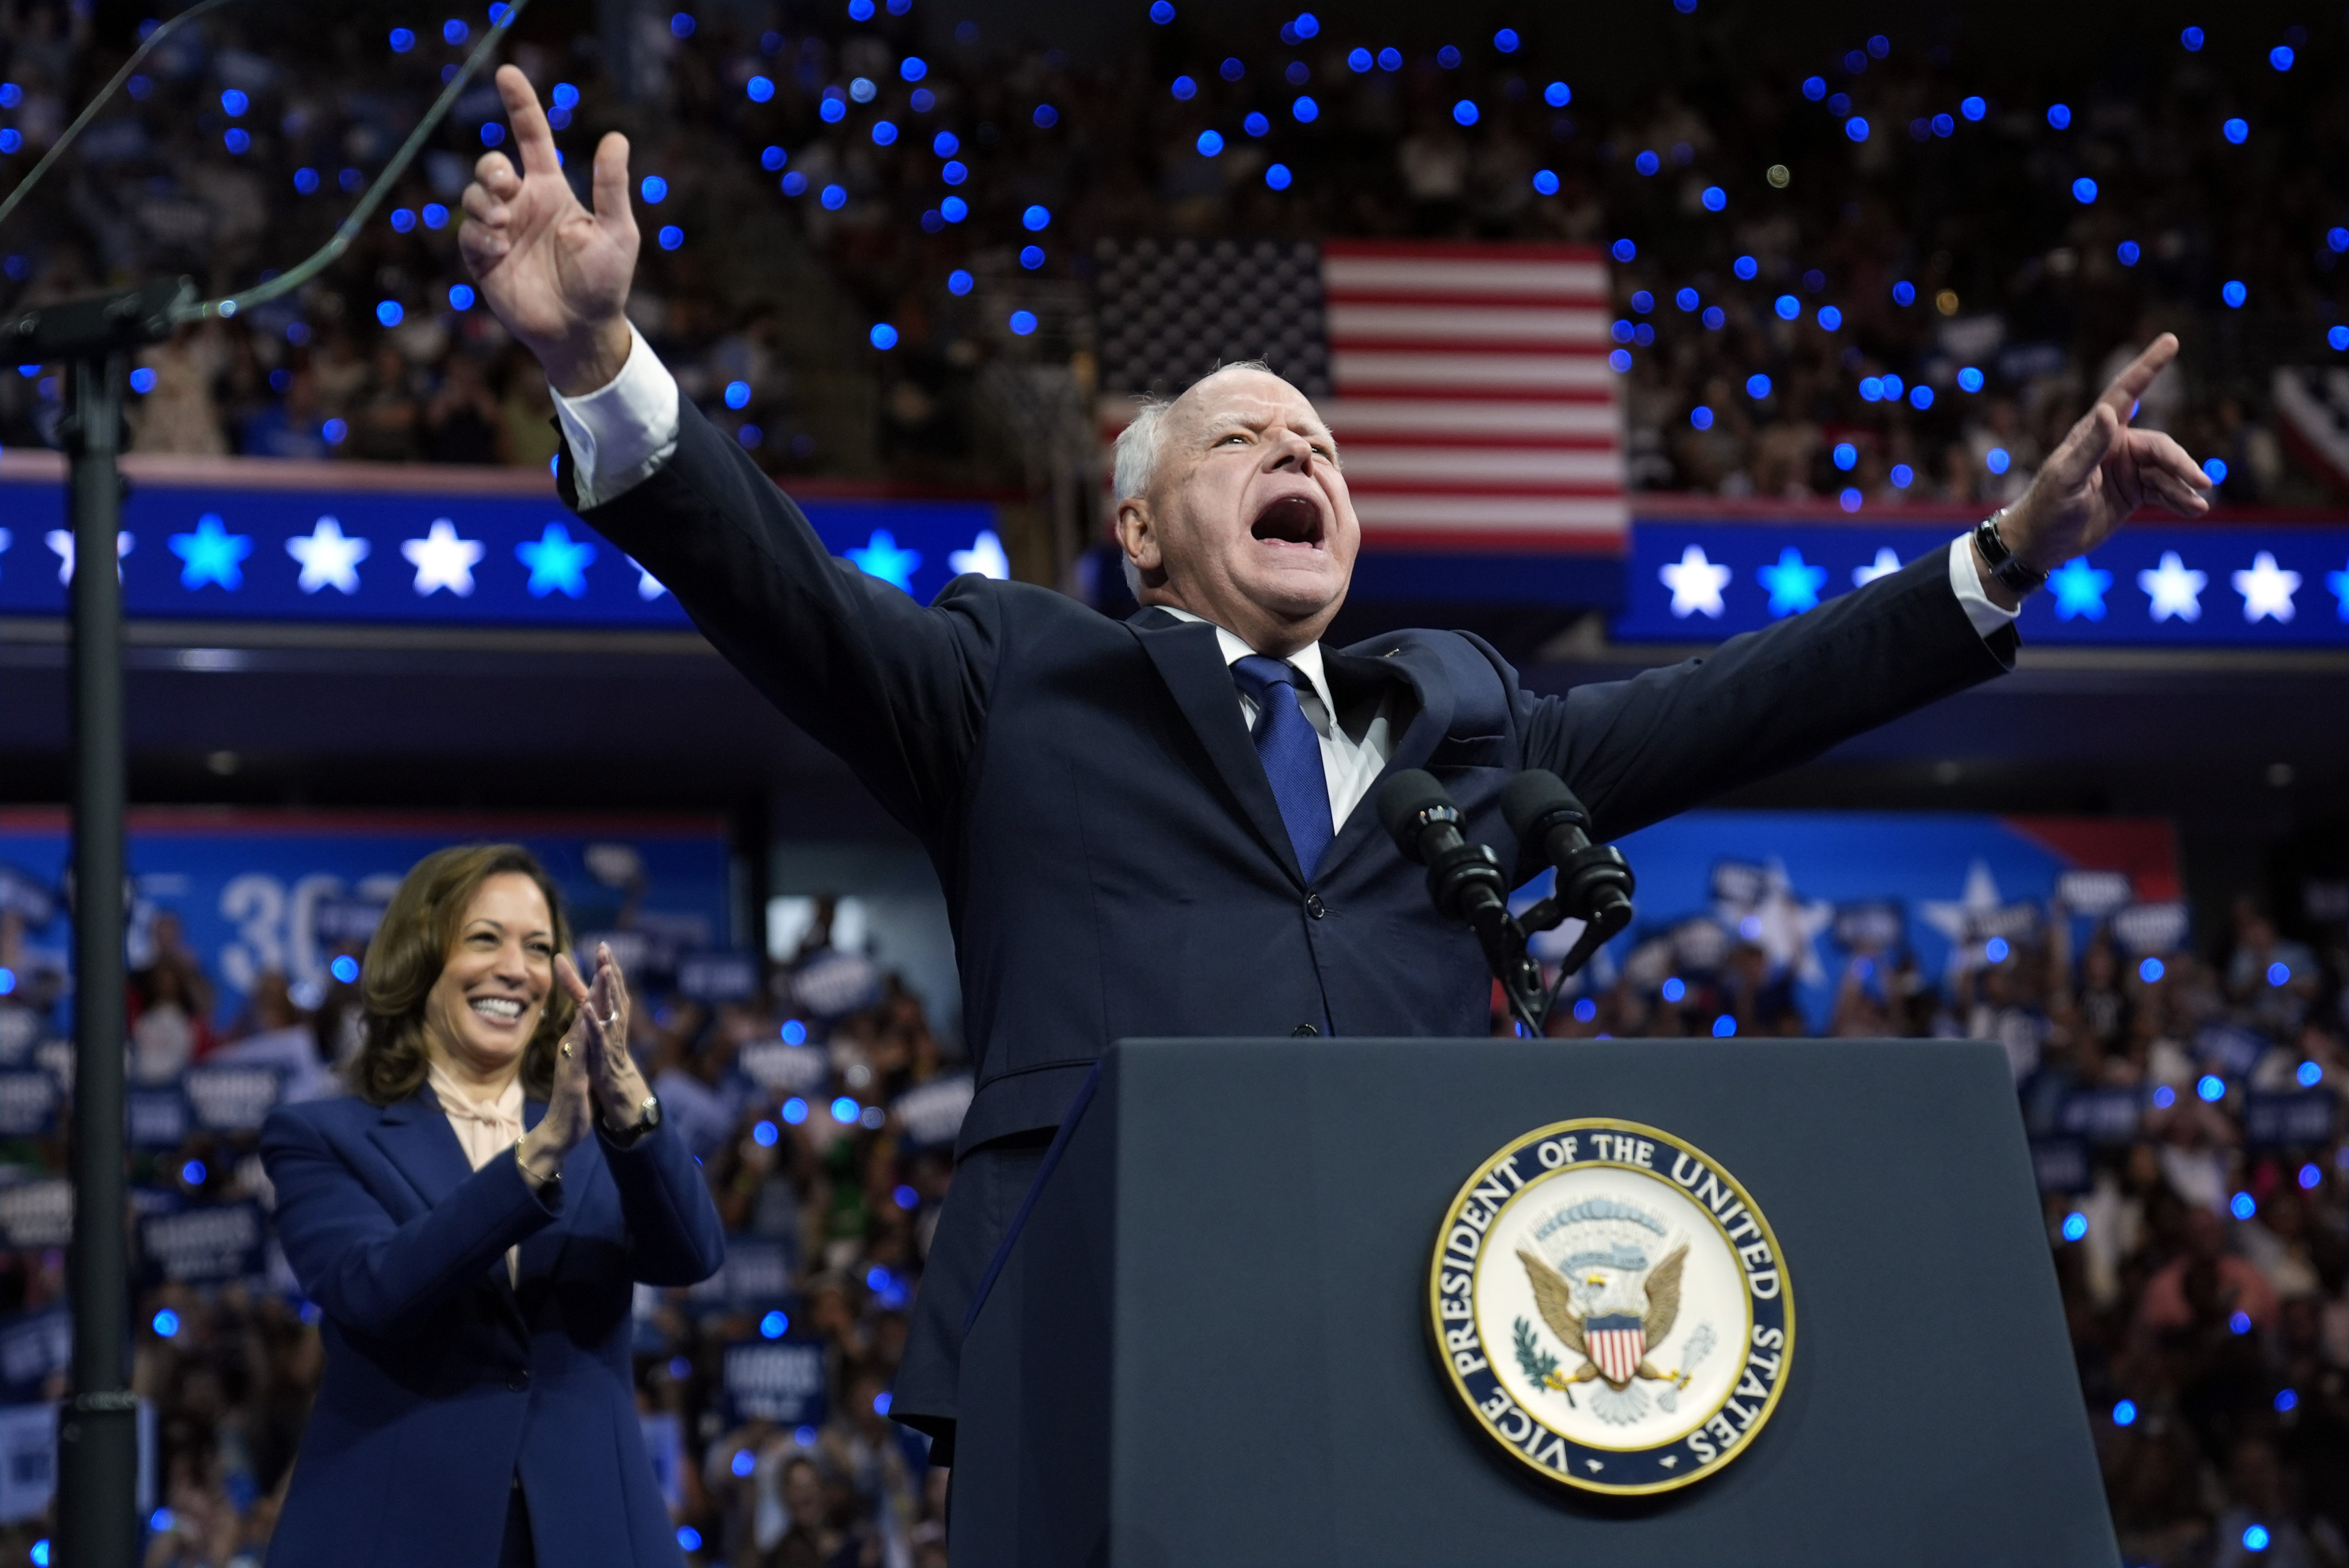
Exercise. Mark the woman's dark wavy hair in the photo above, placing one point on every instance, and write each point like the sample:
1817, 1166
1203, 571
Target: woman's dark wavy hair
410, 948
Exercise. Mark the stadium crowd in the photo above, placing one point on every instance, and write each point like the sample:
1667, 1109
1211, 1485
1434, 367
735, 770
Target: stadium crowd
2185, 1110
1882, 264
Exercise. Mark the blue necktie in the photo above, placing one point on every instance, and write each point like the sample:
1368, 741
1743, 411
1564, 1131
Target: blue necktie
1291, 754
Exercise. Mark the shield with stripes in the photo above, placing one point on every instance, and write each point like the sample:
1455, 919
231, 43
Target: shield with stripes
1617, 1342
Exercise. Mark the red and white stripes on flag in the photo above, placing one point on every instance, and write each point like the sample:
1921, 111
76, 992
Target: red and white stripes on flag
1473, 401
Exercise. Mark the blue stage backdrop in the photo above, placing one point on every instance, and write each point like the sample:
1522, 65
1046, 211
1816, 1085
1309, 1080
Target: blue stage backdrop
1819, 892
226, 552
254, 892
2150, 585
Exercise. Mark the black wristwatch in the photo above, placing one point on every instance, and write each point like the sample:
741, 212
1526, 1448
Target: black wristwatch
648, 1116
2005, 564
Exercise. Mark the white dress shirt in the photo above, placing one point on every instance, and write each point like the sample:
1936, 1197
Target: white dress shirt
623, 430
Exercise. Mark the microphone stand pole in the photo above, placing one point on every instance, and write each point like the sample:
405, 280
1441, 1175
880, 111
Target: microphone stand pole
98, 1429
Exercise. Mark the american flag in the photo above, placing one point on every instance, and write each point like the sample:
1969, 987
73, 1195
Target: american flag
1468, 384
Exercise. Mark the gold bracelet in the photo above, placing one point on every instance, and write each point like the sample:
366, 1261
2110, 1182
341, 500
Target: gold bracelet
533, 1177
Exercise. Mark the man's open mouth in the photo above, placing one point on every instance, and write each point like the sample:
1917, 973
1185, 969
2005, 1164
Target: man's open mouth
1291, 520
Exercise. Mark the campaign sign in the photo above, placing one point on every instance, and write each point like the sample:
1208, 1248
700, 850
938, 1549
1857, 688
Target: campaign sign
2300, 1120
2106, 1116
756, 1275
156, 1117
35, 1347
2061, 1164
792, 1070
233, 1099
779, 1380
932, 1113
206, 1244
28, 1460
717, 976
28, 1103
36, 1213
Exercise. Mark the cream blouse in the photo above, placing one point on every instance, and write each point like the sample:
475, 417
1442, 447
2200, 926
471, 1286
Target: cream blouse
486, 1130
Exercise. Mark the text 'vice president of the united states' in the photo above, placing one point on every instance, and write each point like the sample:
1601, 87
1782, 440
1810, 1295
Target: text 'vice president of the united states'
1156, 827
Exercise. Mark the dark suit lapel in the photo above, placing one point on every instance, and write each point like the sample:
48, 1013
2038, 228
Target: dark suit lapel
419, 1139
1191, 663
1416, 726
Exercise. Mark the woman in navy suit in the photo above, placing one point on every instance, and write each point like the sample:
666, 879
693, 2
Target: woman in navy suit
472, 1222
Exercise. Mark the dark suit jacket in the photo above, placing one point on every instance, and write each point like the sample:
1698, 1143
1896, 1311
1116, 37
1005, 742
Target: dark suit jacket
443, 1380
1113, 859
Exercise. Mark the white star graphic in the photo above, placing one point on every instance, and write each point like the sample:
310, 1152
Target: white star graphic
1696, 584
1784, 926
2267, 589
1885, 564
2175, 588
1975, 915
442, 560
985, 557
648, 587
329, 558
62, 541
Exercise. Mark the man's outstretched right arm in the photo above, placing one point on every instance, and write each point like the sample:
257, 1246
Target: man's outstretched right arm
896, 691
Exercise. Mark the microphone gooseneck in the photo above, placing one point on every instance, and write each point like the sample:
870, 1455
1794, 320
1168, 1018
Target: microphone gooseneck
1465, 882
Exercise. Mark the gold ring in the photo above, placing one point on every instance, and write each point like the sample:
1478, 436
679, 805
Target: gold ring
614, 1019
566, 1047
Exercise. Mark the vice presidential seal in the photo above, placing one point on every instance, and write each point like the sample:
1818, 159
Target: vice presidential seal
1611, 1306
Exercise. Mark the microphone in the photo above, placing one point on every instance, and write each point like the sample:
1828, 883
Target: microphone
1464, 879
1594, 882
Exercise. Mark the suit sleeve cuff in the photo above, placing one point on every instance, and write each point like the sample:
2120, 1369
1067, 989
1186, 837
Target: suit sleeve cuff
623, 430
1965, 581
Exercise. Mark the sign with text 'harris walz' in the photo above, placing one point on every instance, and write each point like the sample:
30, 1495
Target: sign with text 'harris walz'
1611, 1307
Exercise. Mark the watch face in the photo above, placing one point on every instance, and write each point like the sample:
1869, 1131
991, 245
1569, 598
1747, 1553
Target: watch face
652, 1112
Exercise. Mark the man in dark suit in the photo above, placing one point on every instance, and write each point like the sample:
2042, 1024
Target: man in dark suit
1154, 826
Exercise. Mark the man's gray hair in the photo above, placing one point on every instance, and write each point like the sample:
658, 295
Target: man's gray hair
1133, 460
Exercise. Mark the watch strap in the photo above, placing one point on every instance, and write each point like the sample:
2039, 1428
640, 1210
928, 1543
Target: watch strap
2009, 568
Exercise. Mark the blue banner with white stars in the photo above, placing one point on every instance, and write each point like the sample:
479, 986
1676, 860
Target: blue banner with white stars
202, 553
2150, 585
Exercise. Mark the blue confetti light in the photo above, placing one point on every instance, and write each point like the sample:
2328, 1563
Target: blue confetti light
2241, 1322
402, 40
2280, 56
1032, 256
913, 68
1045, 116
1845, 456
388, 312
1687, 299
1036, 218
773, 158
1757, 385
794, 1110
1995, 950
743, 1462
832, 110
1022, 323
1448, 57
1307, 24
2286, 1401
680, 25
1505, 40
671, 236
2242, 1205
2125, 1413
654, 189
2237, 131
1305, 110
2192, 39
884, 131
1921, 396
305, 180
1642, 301
1788, 307
1814, 88
565, 96
954, 209
2076, 1226
2210, 1088
1871, 389
2233, 292
2059, 116
794, 183
1715, 318
1902, 476
1463, 112
492, 133
1211, 142
2084, 190
1620, 360
234, 103
460, 297
1185, 88
2150, 971
2214, 468
1972, 108
954, 172
1545, 182
773, 1325
2279, 974
760, 88
2127, 251
1700, 417
1745, 267
1855, 127
1389, 58
1904, 292
1725, 1026
2310, 1177
1557, 95
1359, 59
1997, 459
1829, 317
1161, 12
1714, 198
344, 968
1278, 177
1647, 162
167, 1323
435, 215
738, 394
237, 139
1673, 988
454, 32
1944, 126
1969, 379
1879, 45
834, 197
